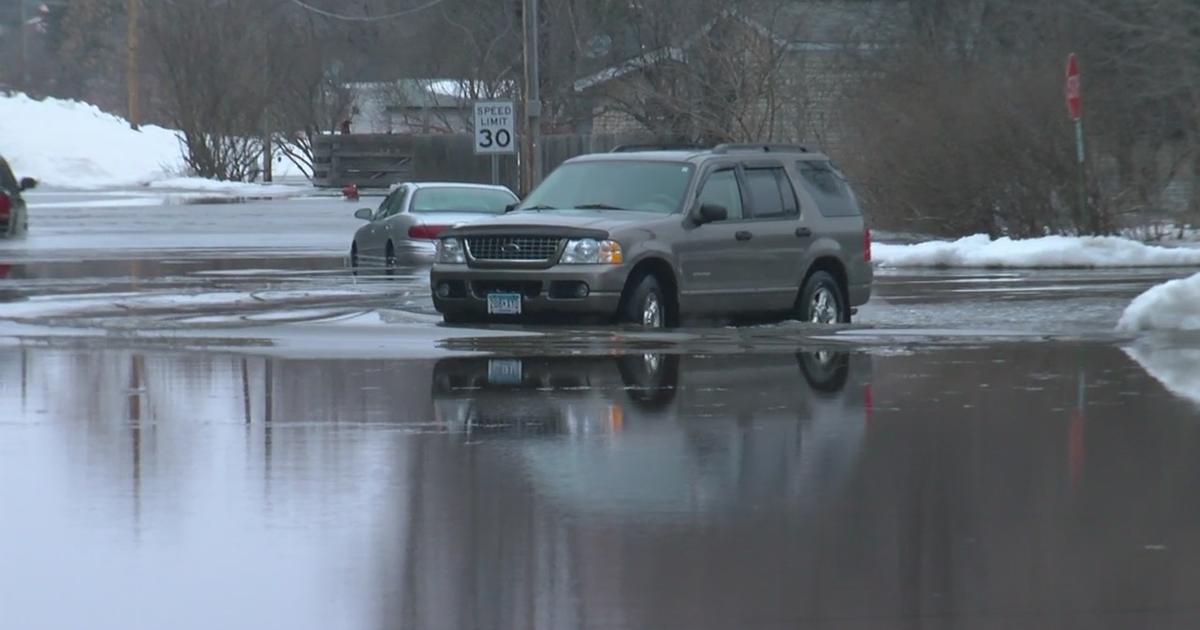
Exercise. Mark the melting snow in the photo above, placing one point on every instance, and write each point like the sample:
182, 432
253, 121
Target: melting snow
1173, 305
1046, 252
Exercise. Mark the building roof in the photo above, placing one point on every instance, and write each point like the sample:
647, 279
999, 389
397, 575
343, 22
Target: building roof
423, 93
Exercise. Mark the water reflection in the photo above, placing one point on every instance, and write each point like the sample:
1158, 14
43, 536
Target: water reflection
662, 433
1033, 486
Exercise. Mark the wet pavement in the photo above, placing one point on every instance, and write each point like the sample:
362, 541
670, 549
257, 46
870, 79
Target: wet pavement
204, 427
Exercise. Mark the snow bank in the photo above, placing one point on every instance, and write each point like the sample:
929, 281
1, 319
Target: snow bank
1174, 305
69, 144
1048, 251
227, 188
75, 145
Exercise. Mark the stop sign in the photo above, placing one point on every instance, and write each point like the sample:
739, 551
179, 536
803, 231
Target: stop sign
1074, 89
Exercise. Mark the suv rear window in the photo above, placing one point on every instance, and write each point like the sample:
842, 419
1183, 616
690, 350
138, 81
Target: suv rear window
828, 189
771, 193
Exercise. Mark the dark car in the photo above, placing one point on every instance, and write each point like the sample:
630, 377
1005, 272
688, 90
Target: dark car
14, 220
650, 237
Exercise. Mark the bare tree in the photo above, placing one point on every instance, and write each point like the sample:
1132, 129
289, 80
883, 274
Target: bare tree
210, 71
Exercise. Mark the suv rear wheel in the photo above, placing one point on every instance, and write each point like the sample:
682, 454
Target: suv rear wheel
646, 304
822, 301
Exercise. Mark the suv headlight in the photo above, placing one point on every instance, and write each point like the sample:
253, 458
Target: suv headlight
589, 250
450, 251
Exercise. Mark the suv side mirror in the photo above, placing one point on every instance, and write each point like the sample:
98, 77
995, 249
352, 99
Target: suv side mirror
711, 213
512, 206
364, 213
28, 183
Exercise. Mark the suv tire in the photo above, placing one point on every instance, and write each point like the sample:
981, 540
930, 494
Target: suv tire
822, 301
646, 304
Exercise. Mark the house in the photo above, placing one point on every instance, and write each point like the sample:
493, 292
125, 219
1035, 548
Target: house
424, 106
738, 79
409, 106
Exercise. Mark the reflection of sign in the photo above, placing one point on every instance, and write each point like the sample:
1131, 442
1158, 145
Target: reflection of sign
1074, 89
494, 127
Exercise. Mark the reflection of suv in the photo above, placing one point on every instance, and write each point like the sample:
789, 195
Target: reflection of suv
736, 231
13, 220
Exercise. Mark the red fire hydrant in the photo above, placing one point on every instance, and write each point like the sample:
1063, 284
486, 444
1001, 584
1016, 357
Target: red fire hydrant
350, 192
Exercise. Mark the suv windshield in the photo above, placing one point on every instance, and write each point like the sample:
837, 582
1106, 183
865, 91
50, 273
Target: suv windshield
460, 200
613, 185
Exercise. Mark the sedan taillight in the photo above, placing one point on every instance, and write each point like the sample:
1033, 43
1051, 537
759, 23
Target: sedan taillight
426, 232
5, 205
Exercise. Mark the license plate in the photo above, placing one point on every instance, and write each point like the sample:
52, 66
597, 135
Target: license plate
504, 372
504, 304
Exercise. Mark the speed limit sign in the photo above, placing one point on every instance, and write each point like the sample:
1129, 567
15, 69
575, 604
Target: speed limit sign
494, 122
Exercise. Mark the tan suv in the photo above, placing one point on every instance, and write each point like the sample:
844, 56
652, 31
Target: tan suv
651, 237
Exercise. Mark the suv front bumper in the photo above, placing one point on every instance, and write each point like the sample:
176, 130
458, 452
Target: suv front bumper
544, 291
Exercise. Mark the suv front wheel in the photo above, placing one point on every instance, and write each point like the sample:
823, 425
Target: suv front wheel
646, 304
822, 301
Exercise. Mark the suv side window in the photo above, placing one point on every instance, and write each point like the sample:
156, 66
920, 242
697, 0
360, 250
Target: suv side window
771, 193
828, 188
722, 189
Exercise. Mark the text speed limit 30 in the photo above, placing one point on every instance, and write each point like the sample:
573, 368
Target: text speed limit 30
494, 121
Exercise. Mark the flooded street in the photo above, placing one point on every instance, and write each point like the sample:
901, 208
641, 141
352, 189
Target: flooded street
1036, 484
219, 426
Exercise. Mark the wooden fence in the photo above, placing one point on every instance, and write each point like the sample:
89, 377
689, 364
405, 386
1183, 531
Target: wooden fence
381, 160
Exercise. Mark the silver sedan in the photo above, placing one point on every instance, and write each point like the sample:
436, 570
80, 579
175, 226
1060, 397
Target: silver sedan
406, 225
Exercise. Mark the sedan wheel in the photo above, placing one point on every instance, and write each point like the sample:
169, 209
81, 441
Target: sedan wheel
390, 262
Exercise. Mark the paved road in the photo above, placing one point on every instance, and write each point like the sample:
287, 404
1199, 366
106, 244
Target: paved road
210, 423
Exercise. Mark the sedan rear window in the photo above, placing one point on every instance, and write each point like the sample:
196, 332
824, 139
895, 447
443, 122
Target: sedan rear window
449, 199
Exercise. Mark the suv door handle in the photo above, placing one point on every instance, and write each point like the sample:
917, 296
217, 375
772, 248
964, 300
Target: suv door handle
803, 232
743, 235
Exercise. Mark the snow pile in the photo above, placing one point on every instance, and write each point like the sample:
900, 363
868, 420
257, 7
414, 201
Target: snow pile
1178, 369
192, 184
73, 144
1049, 251
69, 144
1173, 305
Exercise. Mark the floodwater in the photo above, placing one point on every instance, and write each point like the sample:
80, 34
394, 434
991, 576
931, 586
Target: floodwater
1033, 485
206, 421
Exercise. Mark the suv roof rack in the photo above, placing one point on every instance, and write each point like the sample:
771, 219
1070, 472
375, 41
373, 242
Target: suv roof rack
763, 148
634, 148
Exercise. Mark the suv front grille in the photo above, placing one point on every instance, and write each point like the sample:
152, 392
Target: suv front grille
528, 288
527, 248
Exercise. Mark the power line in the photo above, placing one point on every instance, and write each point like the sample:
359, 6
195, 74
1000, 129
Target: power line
366, 18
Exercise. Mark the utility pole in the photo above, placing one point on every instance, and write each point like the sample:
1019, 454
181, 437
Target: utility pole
533, 98
267, 175
131, 77
21, 4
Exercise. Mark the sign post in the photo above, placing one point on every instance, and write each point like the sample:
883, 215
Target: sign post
494, 135
1074, 91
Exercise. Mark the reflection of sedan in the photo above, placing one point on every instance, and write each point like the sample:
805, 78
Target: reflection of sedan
411, 217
